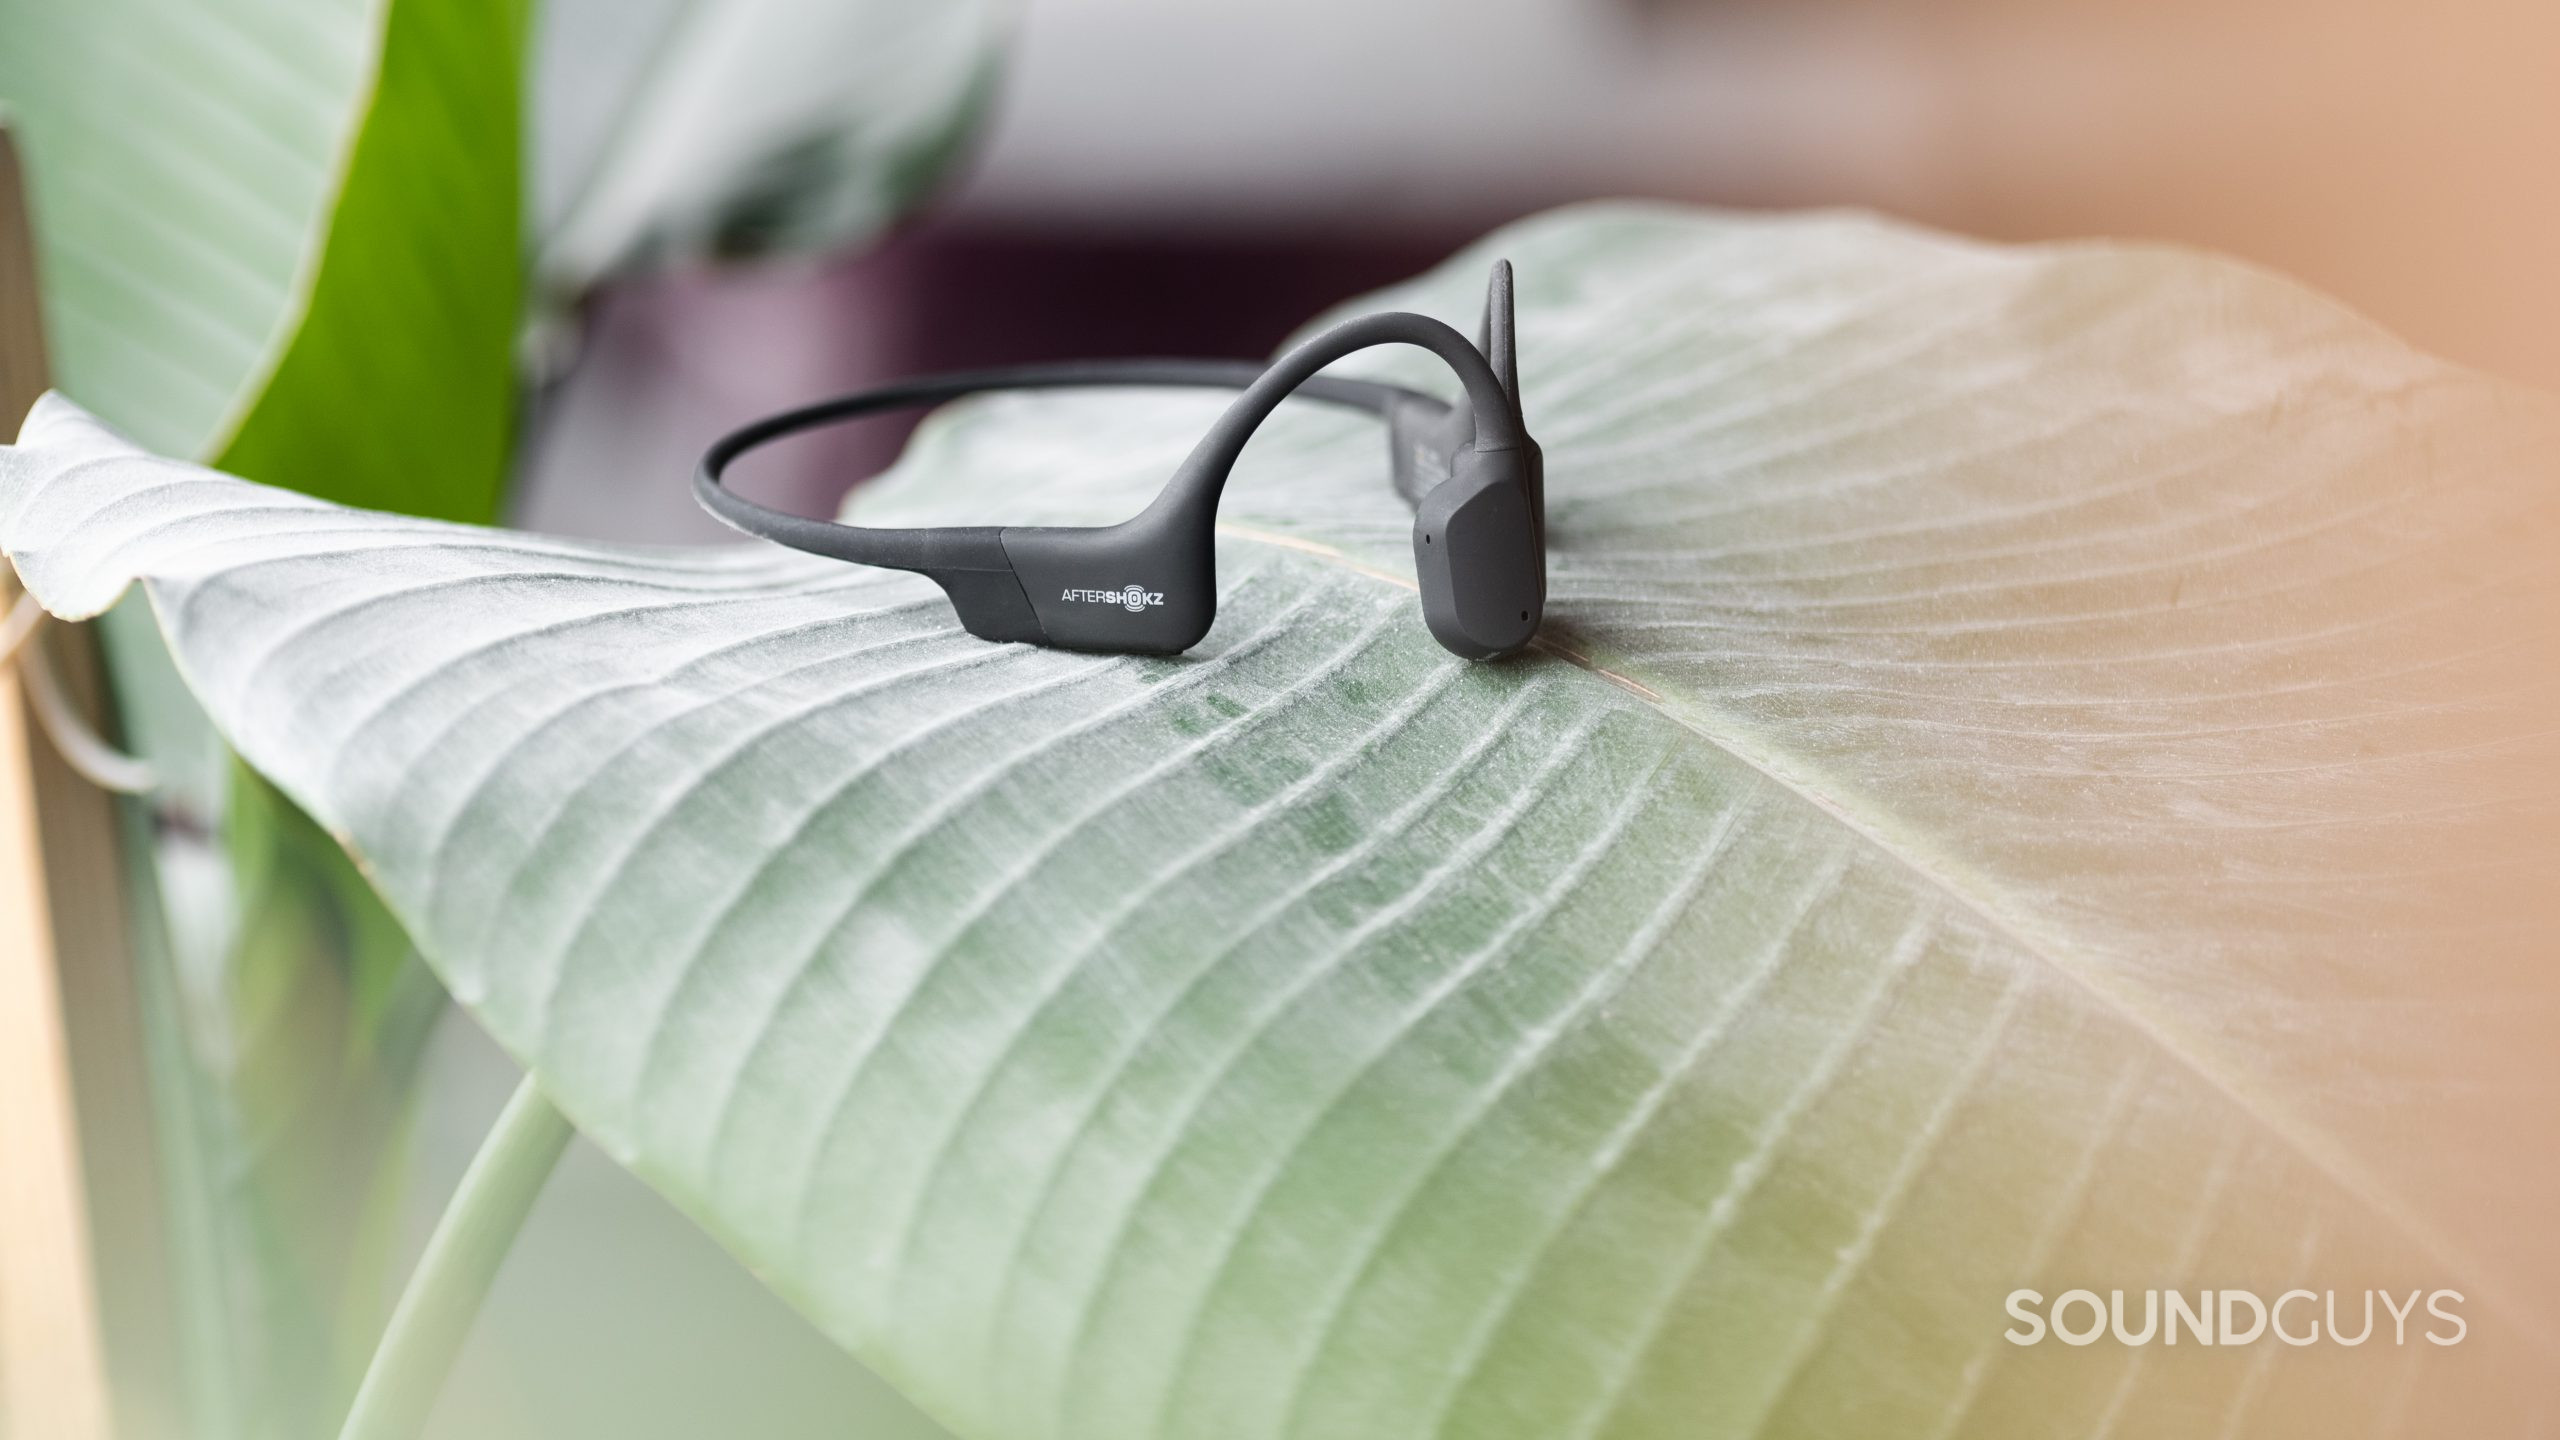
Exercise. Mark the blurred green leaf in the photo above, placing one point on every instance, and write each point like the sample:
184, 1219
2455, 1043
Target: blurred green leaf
676, 127
310, 1044
2041, 774
285, 236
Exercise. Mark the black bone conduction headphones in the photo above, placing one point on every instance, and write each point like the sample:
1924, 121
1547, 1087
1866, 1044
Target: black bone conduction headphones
1148, 585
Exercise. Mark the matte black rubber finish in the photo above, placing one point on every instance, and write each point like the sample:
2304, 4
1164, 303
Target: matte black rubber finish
1149, 584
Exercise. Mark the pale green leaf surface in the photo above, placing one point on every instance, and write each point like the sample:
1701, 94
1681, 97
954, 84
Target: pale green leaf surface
2043, 777
684, 127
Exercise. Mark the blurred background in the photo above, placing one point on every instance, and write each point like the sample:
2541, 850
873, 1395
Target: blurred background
1200, 176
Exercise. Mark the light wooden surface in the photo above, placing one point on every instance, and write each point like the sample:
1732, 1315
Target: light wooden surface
52, 1364
52, 1374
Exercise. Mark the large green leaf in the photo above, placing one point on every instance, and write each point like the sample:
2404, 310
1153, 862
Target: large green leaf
2042, 775
679, 127
184, 157
283, 234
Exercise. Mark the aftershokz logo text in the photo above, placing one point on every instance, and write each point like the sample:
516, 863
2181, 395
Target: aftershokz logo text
2232, 1317
1132, 598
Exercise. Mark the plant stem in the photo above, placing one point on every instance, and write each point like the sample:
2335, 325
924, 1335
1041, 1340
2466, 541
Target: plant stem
453, 1276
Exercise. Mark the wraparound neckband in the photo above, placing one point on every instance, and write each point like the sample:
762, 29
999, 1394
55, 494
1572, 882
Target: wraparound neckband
1148, 584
